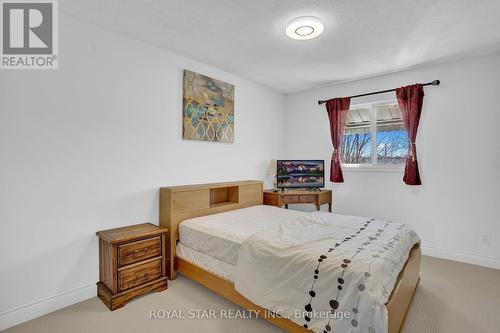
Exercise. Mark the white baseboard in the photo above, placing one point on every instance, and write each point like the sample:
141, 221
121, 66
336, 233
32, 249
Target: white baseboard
469, 258
46, 305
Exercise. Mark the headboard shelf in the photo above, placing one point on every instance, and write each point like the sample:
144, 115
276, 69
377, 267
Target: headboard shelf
223, 204
223, 195
179, 203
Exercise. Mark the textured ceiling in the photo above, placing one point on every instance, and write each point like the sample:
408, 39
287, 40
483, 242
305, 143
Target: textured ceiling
362, 38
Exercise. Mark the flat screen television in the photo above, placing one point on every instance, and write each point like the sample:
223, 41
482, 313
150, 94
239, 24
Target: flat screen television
300, 174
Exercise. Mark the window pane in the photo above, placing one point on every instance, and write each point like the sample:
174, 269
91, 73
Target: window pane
392, 140
356, 145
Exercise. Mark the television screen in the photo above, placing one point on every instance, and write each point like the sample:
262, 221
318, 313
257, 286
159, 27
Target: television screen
300, 173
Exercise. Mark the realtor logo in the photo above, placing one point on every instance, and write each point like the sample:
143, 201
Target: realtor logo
29, 34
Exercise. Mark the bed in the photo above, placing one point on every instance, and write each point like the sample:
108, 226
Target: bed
213, 226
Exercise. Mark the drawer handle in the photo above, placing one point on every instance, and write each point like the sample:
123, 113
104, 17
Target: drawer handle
141, 252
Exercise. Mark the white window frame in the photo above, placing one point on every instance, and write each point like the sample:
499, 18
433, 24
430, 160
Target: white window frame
374, 166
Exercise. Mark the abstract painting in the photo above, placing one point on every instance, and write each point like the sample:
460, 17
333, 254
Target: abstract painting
208, 109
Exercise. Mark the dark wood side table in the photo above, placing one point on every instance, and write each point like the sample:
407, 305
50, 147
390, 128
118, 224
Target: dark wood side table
317, 198
132, 261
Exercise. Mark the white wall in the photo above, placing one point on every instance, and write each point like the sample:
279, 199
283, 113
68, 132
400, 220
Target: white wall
459, 156
86, 148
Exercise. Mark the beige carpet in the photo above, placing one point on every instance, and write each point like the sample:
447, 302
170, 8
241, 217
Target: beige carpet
452, 297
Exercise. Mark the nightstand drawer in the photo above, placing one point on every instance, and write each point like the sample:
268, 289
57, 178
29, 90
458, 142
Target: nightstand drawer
290, 199
271, 199
140, 250
307, 198
138, 275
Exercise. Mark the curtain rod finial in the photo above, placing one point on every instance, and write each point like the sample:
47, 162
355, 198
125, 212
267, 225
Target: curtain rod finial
436, 82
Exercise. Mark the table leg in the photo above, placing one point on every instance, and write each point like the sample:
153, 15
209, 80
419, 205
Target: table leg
330, 207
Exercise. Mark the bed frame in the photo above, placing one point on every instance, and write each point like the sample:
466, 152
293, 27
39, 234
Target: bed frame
184, 202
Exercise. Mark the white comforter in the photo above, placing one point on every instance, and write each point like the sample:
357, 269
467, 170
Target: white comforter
325, 271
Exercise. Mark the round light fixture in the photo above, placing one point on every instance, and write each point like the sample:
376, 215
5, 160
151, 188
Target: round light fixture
304, 27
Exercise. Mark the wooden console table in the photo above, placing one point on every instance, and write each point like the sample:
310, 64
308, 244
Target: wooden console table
317, 198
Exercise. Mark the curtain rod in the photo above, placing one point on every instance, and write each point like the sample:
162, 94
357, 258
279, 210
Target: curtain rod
433, 83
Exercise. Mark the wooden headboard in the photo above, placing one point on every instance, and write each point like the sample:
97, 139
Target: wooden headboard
180, 203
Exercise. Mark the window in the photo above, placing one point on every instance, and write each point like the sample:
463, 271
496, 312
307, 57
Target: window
374, 136
357, 142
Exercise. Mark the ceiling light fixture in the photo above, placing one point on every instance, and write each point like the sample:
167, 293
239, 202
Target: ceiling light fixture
304, 27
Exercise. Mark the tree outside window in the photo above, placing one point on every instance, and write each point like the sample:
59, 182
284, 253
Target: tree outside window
380, 142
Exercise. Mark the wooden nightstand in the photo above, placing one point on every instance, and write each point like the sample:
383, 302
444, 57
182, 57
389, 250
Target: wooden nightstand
132, 261
317, 198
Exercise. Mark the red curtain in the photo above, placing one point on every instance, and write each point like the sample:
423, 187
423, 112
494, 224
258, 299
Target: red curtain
337, 109
410, 100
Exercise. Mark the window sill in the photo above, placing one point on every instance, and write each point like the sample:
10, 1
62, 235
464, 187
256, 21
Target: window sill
372, 168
